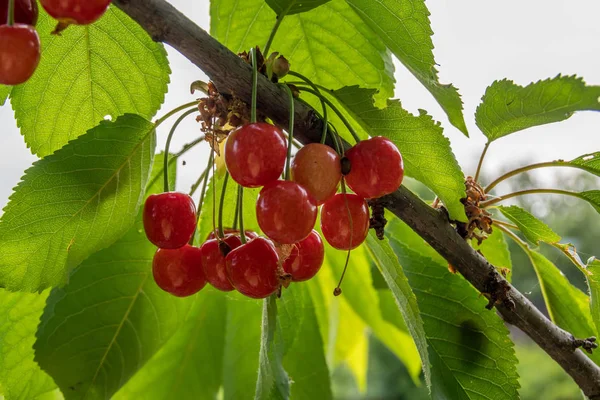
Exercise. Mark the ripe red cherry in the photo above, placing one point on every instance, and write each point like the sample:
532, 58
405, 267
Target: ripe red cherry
213, 260
230, 231
169, 219
81, 12
340, 231
26, 12
306, 258
286, 212
179, 271
317, 167
252, 268
255, 154
376, 168
19, 53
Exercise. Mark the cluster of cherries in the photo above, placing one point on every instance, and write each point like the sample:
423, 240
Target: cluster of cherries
256, 266
19, 41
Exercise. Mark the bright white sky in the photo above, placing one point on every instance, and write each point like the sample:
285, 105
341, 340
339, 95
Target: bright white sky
476, 43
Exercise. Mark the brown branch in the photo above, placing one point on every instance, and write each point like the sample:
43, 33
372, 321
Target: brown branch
231, 75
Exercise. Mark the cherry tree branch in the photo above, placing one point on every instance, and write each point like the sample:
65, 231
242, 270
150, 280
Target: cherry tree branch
231, 75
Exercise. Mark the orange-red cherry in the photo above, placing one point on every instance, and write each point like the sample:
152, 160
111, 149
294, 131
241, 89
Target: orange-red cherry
286, 212
179, 271
19, 53
81, 12
26, 12
376, 168
317, 167
255, 154
345, 231
306, 258
213, 260
169, 219
252, 268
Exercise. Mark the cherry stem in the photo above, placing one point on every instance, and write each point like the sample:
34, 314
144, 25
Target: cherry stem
335, 109
221, 203
168, 146
517, 171
196, 184
254, 84
529, 191
505, 224
187, 147
241, 214
338, 290
203, 191
483, 153
236, 215
290, 133
323, 105
174, 111
11, 13
333, 132
276, 26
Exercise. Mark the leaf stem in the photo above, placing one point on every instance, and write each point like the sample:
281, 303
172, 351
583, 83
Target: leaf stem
278, 22
323, 105
196, 184
505, 224
168, 146
173, 112
516, 238
221, 203
483, 153
488, 203
205, 184
241, 214
11, 13
290, 132
517, 171
254, 84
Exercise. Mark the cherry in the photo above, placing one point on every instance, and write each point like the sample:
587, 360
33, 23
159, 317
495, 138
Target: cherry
286, 212
19, 53
169, 219
255, 154
81, 12
26, 11
317, 167
339, 231
179, 271
252, 268
306, 258
230, 231
376, 168
213, 260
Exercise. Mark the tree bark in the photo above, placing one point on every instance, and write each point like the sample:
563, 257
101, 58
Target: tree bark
231, 75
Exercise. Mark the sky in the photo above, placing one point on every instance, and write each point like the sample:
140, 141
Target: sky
476, 42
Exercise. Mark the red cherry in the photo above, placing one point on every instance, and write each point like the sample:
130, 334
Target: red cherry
376, 168
19, 53
255, 154
337, 228
230, 231
26, 12
179, 271
252, 268
306, 258
317, 167
169, 219
81, 12
213, 261
286, 212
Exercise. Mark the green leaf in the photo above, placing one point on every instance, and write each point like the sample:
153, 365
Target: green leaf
593, 278
398, 230
507, 108
330, 45
20, 376
109, 68
495, 250
392, 271
533, 229
111, 317
592, 197
76, 201
425, 150
567, 306
4, 92
471, 354
587, 162
405, 29
289, 7
189, 366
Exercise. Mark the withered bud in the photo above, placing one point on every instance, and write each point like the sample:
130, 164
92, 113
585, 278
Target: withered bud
281, 66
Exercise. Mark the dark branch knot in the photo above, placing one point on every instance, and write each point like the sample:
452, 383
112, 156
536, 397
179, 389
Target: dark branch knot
588, 344
377, 221
497, 291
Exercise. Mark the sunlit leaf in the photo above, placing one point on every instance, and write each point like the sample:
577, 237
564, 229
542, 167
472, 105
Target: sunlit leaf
593, 267
533, 229
289, 7
495, 250
4, 92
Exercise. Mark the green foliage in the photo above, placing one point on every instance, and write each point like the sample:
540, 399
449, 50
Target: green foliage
588, 162
20, 376
592, 197
405, 29
425, 150
4, 92
495, 250
593, 278
507, 108
330, 45
74, 202
533, 229
289, 7
111, 317
109, 68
